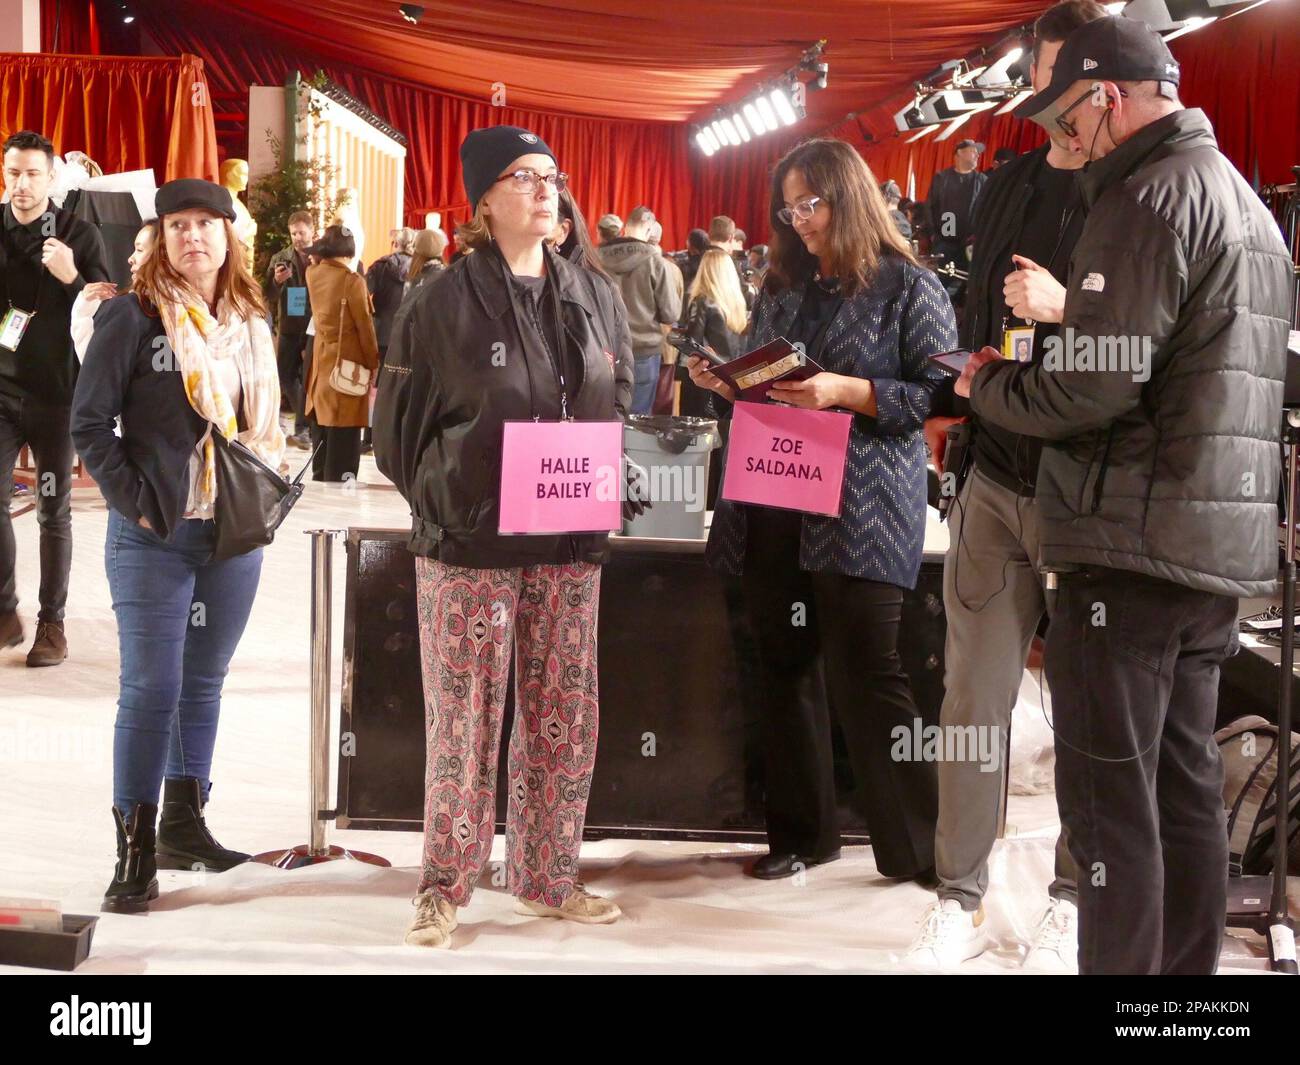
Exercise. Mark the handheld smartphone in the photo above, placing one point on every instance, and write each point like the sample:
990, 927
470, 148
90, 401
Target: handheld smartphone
951, 362
688, 346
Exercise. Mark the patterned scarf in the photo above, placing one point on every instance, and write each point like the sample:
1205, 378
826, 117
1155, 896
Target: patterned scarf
197, 339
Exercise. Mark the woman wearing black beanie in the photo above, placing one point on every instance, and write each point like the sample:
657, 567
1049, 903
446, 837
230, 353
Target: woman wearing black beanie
513, 332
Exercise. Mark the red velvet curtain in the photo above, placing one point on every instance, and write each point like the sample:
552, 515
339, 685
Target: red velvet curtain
70, 27
125, 113
613, 166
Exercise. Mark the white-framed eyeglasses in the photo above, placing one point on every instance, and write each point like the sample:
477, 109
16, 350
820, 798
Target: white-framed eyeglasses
803, 210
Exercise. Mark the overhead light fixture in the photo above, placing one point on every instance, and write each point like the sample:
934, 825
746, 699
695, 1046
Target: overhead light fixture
702, 139
412, 13
1014, 102
999, 73
741, 128
733, 138
1194, 23
711, 138
755, 120
924, 131
784, 108
766, 112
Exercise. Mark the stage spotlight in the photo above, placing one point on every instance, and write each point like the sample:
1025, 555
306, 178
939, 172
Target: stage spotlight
412, 13
703, 141
741, 128
719, 134
822, 70
999, 73
781, 103
733, 138
710, 139
755, 120
910, 117
766, 113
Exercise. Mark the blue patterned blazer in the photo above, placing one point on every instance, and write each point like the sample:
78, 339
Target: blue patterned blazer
885, 334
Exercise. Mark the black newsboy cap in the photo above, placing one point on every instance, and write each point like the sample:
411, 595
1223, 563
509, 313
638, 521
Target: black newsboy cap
184, 193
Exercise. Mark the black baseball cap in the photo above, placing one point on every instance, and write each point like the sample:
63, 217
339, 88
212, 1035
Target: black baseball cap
184, 193
1114, 48
969, 144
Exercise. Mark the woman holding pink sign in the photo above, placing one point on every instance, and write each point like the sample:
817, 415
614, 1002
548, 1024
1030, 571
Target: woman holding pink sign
845, 285
514, 333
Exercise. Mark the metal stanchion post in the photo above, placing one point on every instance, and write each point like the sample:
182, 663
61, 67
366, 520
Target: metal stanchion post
315, 850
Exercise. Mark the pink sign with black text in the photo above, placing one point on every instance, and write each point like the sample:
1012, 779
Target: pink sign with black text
779, 456
561, 477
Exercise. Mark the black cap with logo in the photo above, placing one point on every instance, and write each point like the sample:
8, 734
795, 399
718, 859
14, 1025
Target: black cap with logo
1106, 49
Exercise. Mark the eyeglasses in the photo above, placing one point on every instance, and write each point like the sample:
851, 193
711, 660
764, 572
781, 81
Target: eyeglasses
1069, 128
803, 210
526, 180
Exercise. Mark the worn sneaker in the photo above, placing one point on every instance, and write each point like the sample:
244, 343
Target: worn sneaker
949, 936
50, 646
1056, 942
581, 906
435, 921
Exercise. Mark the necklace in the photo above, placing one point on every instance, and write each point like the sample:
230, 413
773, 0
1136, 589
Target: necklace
826, 284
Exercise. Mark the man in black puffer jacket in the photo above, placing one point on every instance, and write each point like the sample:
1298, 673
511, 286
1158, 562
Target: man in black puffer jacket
1160, 403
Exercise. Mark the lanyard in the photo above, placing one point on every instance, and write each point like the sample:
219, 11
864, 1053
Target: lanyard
10, 258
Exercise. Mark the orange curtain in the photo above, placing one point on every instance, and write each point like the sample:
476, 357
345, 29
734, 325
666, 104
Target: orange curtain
125, 113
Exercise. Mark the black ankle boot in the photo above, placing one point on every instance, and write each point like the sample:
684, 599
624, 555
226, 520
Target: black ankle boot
134, 882
184, 841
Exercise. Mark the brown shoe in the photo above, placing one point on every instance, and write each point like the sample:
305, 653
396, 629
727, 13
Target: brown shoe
11, 630
50, 646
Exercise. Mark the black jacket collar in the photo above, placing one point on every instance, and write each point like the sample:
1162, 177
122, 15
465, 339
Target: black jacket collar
12, 223
1174, 132
487, 271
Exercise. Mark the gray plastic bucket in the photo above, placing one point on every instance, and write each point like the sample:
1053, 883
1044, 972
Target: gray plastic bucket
674, 452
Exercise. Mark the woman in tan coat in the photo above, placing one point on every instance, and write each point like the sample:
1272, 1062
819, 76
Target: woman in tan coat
345, 357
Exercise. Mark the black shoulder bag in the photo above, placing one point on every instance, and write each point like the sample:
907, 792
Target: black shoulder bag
252, 499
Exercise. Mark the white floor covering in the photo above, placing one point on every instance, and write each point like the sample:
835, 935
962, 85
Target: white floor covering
687, 907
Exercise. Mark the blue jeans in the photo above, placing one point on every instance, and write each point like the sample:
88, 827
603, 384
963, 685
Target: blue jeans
180, 617
646, 383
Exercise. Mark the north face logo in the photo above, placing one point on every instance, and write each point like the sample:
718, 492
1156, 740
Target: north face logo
528, 138
1093, 283
1171, 69
1090, 64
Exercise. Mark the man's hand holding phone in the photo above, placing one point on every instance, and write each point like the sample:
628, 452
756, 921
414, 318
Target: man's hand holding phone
974, 364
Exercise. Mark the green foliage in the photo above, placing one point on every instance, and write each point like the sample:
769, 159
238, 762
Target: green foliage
292, 185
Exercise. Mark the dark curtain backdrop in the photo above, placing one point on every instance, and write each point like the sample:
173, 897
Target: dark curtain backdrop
1244, 72
613, 166
125, 113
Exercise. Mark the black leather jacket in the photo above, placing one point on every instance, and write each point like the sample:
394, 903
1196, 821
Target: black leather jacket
461, 362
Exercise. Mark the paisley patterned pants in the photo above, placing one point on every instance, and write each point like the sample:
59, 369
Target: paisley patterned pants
468, 620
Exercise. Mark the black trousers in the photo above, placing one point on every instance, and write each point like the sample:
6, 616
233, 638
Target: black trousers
339, 455
293, 374
849, 627
44, 429
1133, 665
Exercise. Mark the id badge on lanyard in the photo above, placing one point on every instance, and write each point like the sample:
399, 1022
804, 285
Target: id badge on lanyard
1018, 343
13, 326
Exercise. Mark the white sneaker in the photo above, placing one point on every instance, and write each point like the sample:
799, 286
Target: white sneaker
581, 906
949, 936
1056, 941
435, 920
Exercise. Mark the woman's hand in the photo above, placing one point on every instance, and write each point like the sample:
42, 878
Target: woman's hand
698, 368
99, 290
144, 524
820, 391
